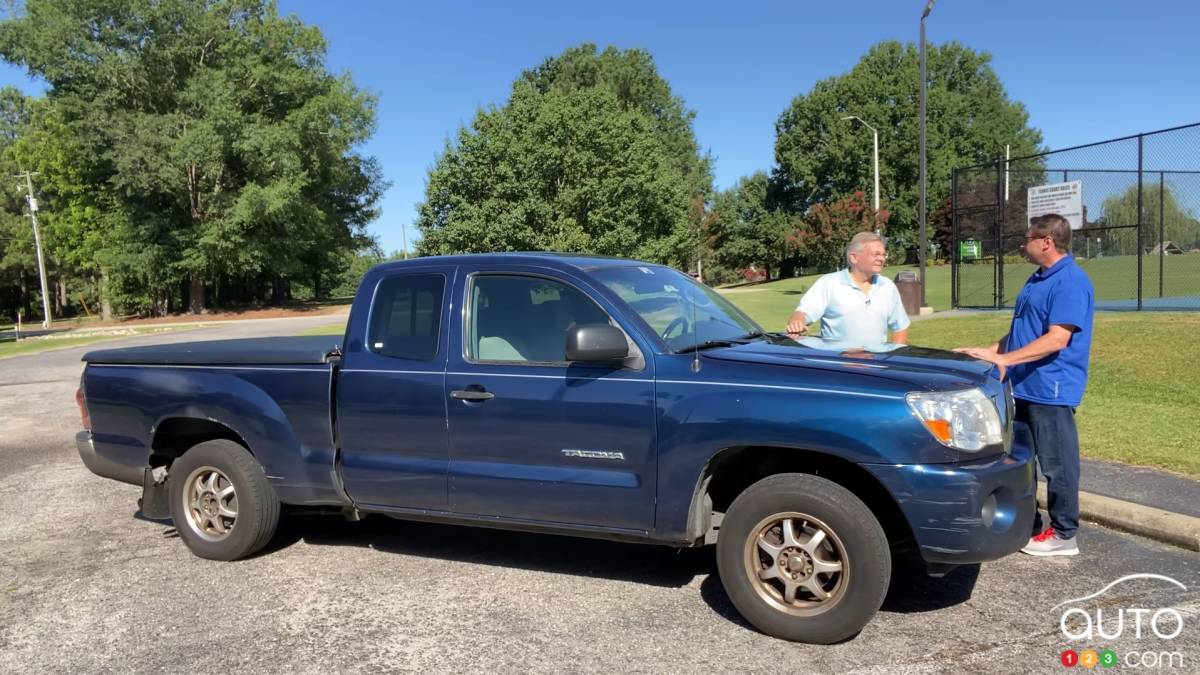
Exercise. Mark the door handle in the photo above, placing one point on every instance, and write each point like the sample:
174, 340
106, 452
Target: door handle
471, 395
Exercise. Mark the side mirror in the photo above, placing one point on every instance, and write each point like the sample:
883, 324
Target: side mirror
596, 342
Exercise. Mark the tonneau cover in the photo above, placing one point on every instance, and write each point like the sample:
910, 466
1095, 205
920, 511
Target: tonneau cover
250, 351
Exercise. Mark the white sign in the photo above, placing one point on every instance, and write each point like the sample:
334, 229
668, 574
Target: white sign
1065, 199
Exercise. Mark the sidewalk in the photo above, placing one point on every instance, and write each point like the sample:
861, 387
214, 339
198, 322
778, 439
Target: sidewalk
1140, 500
1141, 485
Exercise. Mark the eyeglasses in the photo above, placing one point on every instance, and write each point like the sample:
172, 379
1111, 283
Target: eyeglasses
1029, 238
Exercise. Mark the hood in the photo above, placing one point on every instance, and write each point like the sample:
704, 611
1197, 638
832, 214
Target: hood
931, 368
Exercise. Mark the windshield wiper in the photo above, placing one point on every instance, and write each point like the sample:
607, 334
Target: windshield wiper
707, 344
754, 336
724, 342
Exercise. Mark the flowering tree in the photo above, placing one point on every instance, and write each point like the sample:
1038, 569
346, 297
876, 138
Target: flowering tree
828, 228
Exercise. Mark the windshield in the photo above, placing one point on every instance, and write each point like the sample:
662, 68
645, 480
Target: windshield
682, 311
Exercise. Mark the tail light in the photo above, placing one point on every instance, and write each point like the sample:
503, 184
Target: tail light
81, 401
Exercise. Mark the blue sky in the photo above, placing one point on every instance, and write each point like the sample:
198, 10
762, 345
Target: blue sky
1087, 70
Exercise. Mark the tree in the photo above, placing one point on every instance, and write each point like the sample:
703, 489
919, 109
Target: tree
1161, 210
828, 229
747, 229
206, 138
591, 153
17, 263
822, 158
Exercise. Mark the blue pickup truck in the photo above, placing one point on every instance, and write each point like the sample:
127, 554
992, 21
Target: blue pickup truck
584, 396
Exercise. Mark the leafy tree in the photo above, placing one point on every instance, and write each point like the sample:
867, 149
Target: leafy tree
355, 265
821, 157
1160, 209
591, 153
828, 229
201, 143
17, 262
747, 229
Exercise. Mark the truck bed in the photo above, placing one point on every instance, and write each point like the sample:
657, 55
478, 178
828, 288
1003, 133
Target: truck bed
308, 350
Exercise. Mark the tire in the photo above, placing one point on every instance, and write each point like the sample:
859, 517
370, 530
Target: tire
849, 562
221, 502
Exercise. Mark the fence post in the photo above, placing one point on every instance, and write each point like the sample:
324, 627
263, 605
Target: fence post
1140, 138
998, 233
955, 261
1162, 228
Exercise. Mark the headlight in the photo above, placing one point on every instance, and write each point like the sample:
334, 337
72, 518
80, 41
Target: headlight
966, 420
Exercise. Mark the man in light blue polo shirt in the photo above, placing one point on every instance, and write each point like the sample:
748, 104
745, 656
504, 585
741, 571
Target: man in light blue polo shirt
858, 305
1046, 354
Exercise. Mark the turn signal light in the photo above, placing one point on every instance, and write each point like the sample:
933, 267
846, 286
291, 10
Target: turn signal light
940, 429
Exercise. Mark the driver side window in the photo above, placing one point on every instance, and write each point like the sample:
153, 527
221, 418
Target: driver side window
525, 319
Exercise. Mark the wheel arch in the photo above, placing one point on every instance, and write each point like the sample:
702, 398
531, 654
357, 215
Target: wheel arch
733, 469
174, 436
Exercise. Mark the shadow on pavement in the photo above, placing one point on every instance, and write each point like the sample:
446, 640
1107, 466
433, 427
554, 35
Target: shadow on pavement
655, 565
912, 590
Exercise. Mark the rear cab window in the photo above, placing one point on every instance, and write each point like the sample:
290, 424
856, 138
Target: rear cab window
406, 316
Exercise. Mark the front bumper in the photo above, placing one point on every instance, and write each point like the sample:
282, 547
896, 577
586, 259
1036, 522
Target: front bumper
102, 466
966, 512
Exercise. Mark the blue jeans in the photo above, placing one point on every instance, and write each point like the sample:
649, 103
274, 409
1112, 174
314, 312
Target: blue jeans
1056, 446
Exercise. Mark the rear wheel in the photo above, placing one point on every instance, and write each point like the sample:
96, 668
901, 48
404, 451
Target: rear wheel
803, 559
221, 502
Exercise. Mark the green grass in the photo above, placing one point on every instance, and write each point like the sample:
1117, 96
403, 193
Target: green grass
770, 304
1114, 278
1141, 402
331, 329
40, 344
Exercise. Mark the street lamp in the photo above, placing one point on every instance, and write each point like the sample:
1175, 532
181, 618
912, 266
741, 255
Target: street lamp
921, 250
875, 133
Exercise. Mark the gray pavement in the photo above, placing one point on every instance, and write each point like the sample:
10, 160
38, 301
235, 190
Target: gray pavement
1141, 485
88, 587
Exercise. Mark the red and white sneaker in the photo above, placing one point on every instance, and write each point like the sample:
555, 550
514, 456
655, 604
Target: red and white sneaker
1049, 543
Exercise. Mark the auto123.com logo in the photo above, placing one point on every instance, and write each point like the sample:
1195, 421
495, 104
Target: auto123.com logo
1091, 622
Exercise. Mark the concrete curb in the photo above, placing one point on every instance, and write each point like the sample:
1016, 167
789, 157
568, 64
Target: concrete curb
1145, 521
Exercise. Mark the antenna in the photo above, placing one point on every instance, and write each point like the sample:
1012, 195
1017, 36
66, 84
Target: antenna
696, 327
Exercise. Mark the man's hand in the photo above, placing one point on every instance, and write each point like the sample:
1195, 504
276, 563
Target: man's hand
797, 324
981, 353
986, 354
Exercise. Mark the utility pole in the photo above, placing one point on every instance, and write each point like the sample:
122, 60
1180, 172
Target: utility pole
404, 235
921, 250
37, 240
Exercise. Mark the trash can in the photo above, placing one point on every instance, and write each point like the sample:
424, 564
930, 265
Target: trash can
909, 285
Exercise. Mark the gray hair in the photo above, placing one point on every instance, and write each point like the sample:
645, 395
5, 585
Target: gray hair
859, 240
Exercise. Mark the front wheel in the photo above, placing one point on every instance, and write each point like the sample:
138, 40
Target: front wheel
803, 559
221, 502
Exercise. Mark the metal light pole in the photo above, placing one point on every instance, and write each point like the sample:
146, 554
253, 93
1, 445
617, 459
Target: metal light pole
37, 240
921, 250
875, 133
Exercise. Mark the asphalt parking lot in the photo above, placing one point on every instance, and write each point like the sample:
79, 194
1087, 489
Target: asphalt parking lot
88, 586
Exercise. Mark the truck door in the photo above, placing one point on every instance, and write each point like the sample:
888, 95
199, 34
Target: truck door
533, 437
391, 413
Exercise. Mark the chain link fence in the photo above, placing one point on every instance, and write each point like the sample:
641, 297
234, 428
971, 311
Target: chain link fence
1139, 234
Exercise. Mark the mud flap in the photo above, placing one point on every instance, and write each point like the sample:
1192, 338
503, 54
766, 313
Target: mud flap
154, 500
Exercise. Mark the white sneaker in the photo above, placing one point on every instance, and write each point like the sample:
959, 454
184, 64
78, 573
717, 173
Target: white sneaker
1049, 543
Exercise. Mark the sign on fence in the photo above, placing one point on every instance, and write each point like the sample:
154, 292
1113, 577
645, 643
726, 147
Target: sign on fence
968, 249
1065, 199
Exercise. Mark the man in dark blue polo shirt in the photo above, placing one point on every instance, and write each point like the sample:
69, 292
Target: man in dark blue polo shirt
1046, 355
